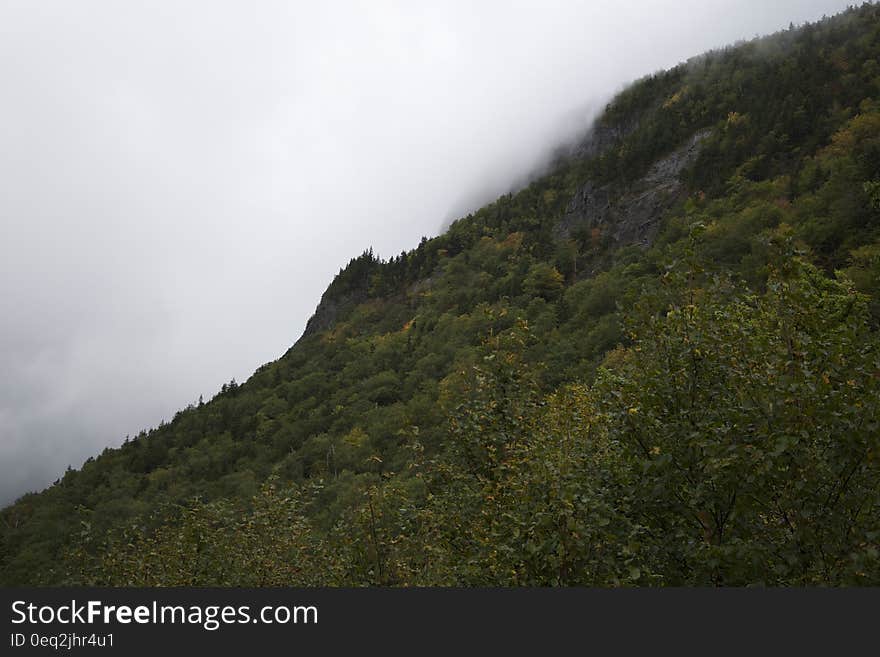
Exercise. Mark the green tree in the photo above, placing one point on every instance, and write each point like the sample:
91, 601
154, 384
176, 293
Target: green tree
543, 280
754, 423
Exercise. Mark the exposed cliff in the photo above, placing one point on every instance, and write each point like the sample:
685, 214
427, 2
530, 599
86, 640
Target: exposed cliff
633, 215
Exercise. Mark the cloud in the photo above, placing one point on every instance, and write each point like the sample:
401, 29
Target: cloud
180, 181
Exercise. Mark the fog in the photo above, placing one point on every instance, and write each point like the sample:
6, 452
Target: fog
181, 180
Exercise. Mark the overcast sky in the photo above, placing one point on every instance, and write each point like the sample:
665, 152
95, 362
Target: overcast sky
179, 181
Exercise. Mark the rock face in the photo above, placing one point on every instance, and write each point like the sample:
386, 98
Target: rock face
634, 216
329, 309
600, 138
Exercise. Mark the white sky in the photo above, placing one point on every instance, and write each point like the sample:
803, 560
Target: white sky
179, 181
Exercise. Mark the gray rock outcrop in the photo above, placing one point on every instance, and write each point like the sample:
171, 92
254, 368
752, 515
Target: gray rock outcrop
631, 217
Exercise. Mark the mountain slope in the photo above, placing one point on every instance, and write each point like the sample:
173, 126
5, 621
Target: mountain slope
443, 385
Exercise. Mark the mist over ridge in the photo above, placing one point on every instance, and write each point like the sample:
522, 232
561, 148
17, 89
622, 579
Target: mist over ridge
182, 183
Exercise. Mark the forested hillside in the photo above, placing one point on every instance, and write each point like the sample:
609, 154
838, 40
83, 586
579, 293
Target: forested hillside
658, 364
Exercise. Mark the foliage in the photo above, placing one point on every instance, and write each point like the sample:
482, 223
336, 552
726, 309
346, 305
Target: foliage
513, 403
269, 543
754, 421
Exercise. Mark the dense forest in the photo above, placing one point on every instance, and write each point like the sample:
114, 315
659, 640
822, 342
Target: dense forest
657, 364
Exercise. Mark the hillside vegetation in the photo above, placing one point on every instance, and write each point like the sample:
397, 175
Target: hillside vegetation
658, 364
